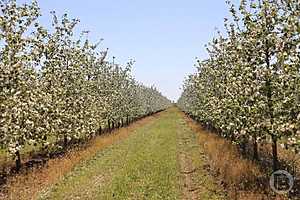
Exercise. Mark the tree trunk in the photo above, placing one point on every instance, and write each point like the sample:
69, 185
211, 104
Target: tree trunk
243, 145
286, 147
65, 141
100, 130
275, 153
255, 148
232, 138
18, 161
270, 103
108, 123
113, 125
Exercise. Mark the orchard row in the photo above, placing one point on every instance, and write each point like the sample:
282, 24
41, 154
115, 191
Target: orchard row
249, 87
57, 87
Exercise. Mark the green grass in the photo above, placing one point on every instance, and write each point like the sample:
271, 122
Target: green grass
143, 166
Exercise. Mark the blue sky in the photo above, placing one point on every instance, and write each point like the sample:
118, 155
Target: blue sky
162, 36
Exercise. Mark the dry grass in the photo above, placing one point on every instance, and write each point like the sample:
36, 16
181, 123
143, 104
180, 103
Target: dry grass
286, 157
26, 186
241, 177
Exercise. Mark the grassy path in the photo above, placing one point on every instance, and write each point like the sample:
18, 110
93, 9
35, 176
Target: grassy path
160, 160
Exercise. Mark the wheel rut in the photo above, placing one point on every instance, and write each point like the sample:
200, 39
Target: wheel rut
188, 171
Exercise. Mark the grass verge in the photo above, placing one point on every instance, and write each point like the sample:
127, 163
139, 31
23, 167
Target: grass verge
144, 166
